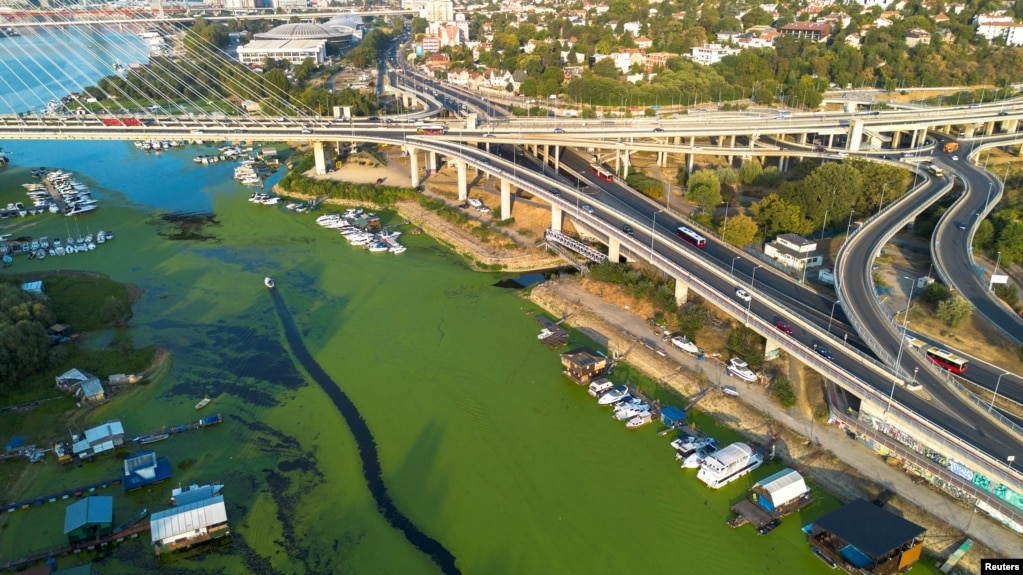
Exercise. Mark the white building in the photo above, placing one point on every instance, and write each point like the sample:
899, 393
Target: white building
439, 11
186, 525
711, 53
794, 251
255, 53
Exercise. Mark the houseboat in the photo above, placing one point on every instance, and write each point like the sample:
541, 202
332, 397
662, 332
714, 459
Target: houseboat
728, 464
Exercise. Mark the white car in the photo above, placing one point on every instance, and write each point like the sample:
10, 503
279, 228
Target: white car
743, 295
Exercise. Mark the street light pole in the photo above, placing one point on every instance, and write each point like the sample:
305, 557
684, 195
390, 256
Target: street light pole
898, 359
732, 271
991, 284
880, 202
653, 234
832, 316
848, 227
754, 275
997, 383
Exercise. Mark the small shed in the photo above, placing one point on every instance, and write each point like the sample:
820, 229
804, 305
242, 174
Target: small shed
85, 569
89, 518
92, 391
71, 379
58, 332
674, 417
35, 287
780, 490
890, 545
99, 439
582, 364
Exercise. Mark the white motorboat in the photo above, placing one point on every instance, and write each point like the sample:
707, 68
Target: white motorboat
696, 459
398, 249
640, 420
359, 239
327, 218
378, 247
687, 445
740, 369
101, 237
685, 344
614, 395
729, 464
599, 387
268, 282
630, 410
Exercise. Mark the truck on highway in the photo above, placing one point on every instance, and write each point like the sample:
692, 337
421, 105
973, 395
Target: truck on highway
951, 147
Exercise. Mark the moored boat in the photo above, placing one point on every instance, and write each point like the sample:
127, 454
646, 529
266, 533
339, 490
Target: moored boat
685, 344
203, 403
729, 464
268, 282
640, 420
614, 395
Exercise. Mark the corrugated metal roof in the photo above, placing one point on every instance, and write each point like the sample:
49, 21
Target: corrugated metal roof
93, 509
187, 518
784, 486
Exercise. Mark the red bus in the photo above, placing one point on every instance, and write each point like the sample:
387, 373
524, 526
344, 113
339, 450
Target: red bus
691, 237
433, 130
602, 172
946, 360
121, 122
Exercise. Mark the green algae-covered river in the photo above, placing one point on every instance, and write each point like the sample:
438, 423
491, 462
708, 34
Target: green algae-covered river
482, 444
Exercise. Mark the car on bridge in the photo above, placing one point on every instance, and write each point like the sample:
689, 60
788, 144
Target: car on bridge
559, 130
306, 131
658, 129
587, 208
961, 225
627, 229
823, 351
743, 295
554, 192
783, 326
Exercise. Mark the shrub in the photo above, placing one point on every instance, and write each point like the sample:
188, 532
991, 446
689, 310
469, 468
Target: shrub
783, 392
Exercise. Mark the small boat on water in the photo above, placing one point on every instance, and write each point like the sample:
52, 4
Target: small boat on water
640, 420
152, 437
599, 387
614, 395
269, 282
629, 410
687, 445
203, 403
696, 459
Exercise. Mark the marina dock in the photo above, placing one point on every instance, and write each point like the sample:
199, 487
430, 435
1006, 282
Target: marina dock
165, 432
749, 512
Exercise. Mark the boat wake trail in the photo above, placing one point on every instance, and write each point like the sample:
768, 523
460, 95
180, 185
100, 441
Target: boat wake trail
367, 446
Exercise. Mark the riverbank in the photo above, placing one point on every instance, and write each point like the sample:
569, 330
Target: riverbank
843, 467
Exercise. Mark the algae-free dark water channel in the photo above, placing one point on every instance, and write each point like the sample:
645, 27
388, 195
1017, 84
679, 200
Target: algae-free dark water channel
487, 451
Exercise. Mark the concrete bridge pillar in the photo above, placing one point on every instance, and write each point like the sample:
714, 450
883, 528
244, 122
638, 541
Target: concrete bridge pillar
557, 159
681, 291
801, 140
1010, 126
771, 347
547, 154
556, 217
783, 163
896, 136
625, 157
970, 131
463, 186
618, 161
913, 141
689, 163
855, 135
431, 163
989, 128
732, 143
831, 140
505, 199
322, 155
614, 248
413, 160
850, 107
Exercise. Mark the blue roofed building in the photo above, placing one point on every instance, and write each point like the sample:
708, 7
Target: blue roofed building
144, 469
89, 518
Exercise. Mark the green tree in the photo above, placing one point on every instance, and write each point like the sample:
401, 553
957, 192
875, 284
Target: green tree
275, 82
750, 170
776, 216
740, 230
935, 293
749, 345
954, 310
1010, 242
704, 189
782, 390
984, 237
805, 94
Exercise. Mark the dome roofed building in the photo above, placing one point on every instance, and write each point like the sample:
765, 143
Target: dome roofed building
296, 42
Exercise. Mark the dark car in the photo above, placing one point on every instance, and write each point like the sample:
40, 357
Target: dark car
374, 118
783, 326
820, 149
627, 229
823, 351
658, 129
559, 130
554, 192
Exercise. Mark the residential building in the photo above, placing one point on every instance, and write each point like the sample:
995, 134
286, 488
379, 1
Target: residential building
643, 43
658, 60
794, 251
583, 365
711, 53
35, 288
91, 391
891, 544
144, 469
439, 11
431, 44
99, 439
917, 36
817, 32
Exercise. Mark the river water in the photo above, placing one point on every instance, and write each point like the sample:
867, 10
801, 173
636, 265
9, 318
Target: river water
482, 444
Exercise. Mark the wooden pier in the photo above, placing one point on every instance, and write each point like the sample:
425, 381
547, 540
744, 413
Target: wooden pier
57, 197
99, 542
165, 432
